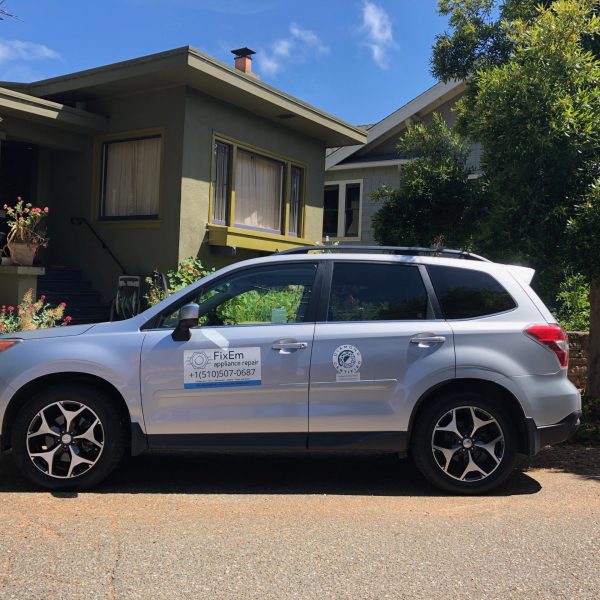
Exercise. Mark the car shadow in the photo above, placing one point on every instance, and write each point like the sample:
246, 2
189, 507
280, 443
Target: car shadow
317, 474
577, 459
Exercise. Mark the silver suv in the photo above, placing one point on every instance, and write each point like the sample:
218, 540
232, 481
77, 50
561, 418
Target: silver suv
457, 362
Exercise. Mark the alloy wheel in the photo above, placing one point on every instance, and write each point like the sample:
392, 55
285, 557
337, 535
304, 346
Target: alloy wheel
468, 443
65, 439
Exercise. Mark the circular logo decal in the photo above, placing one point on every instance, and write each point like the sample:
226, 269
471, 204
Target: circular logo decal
347, 359
199, 360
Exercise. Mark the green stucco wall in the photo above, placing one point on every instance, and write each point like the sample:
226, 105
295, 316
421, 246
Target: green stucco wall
189, 118
206, 116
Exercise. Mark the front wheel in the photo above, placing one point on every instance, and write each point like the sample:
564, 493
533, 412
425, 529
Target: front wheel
68, 437
464, 443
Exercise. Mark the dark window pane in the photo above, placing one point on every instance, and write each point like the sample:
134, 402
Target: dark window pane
296, 185
221, 183
352, 210
376, 292
465, 294
330, 210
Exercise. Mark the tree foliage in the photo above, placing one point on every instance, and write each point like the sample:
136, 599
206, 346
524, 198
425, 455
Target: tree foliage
433, 185
534, 104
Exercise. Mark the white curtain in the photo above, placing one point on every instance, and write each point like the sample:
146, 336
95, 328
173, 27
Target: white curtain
132, 178
258, 192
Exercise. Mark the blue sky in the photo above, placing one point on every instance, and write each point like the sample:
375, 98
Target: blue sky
357, 59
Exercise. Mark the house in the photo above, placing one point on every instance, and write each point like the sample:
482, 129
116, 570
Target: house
352, 173
166, 156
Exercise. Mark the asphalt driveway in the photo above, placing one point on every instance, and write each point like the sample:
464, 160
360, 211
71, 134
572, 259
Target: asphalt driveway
303, 527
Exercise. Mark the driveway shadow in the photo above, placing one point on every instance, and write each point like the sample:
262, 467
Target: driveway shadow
332, 474
580, 460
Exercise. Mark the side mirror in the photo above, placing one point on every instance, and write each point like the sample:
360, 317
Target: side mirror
188, 318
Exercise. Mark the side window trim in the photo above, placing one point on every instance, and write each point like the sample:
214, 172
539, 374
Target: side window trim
433, 302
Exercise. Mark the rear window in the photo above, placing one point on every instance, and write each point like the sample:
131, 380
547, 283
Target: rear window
376, 292
464, 294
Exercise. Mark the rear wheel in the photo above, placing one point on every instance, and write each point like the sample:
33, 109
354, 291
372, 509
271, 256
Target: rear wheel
68, 437
464, 443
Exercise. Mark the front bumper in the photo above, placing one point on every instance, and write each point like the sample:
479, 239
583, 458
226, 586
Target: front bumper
547, 435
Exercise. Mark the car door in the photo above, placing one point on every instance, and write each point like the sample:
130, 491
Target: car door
378, 346
245, 368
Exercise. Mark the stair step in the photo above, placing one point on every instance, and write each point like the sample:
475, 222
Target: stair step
88, 314
82, 298
62, 274
47, 286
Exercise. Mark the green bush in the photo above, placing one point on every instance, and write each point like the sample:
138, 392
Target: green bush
256, 307
589, 432
188, 271
574, 303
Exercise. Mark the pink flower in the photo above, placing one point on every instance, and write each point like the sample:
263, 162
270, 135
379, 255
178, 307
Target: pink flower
68, 319
45, 209
11, 308
42, 297
19, 198
62, 305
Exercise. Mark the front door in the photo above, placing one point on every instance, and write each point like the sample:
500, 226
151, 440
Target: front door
245, 368
376, 350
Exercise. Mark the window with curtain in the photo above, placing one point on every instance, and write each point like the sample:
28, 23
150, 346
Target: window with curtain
222, 183
131, 178
258, 192
296, 192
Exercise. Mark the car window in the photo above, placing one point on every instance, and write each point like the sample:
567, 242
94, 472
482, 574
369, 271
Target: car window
262, 295
464, 294
376, 292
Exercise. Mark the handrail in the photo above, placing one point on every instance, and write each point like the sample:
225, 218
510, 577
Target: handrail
84, 221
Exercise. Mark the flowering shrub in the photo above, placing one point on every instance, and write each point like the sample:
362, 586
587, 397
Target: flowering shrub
32, 314
189, 270
24, 221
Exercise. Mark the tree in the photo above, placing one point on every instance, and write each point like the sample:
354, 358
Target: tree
536, 110
4, 12
434, 184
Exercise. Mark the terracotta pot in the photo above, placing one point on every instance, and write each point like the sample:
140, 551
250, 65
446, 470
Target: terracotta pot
21, 253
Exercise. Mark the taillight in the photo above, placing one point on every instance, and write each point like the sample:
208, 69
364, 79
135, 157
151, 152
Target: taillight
554, 337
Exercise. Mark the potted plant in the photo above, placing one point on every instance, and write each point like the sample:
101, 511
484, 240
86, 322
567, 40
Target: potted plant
26, 234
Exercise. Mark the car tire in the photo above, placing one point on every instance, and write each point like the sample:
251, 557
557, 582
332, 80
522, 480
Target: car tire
68, 437
464, 443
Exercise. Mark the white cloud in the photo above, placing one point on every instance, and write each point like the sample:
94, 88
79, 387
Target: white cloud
13, 50
377, 29
296, 48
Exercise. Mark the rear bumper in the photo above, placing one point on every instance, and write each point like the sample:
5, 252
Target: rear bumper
551, 434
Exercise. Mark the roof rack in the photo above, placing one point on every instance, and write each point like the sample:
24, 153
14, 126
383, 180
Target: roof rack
403, 250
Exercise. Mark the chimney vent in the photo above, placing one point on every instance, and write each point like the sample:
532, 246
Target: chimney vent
243, 59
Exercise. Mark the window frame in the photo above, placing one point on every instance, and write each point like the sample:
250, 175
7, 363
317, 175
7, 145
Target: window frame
342, 184
98, 181
287, 162
310, 315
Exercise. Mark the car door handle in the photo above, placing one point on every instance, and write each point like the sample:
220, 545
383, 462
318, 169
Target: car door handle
428, 339
290, 346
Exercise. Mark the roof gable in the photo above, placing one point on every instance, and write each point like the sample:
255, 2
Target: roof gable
428, 101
